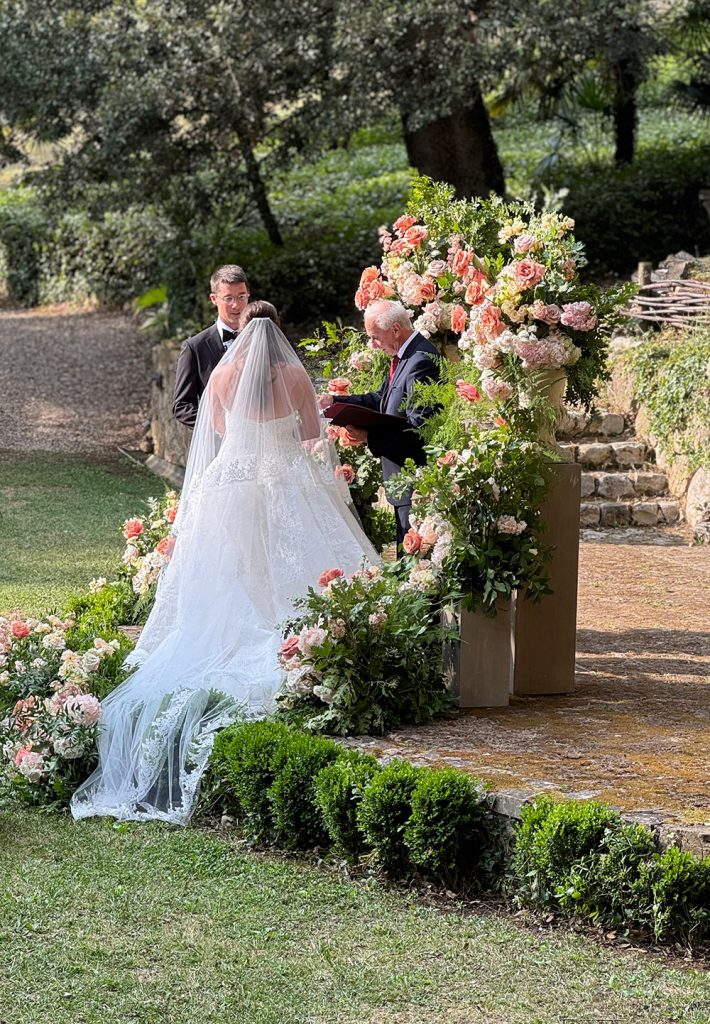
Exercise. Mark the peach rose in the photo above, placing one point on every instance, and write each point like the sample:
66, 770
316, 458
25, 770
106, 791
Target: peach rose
569, 269
369, 275
461, 261
347, 473
165, 547
20, 630
403, 223
400, 246
289, 648
477, 288
459, 317
332, 433
489, 324
339, 386
468, 391
449, 458
411, 542
427, 292
362, 298
416, 235
132, 528
328, 575
528, 273
170, 513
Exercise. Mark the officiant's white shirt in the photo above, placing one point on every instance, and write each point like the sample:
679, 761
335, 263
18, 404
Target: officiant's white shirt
403, 346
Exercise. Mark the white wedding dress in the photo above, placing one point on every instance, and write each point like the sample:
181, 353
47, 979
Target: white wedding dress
262, 514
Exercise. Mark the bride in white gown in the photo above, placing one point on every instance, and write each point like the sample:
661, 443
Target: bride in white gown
262, 514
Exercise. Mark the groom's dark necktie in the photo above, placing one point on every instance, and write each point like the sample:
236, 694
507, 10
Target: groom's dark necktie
228, 336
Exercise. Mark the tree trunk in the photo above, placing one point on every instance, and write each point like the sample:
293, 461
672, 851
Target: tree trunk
259, 190
625, 84
458, 148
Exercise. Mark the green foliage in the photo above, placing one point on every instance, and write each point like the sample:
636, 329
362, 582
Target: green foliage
384, 812
298, 822
672, 380
603, 887
22, 228
102, 612
674, 890
378, 659
642, 211
339, 788
247, 757
448, 831
550, 840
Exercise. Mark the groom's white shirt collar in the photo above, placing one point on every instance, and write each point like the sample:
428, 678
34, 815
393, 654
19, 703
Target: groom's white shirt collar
402, 347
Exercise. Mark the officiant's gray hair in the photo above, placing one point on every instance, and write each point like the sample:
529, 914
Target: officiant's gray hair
385, 313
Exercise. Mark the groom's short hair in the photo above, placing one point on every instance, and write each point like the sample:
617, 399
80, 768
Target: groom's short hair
229, 273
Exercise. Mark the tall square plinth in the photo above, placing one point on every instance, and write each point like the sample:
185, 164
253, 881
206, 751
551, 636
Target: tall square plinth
544, 634
479, 666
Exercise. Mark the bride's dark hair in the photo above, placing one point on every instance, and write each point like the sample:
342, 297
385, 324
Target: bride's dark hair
260, 308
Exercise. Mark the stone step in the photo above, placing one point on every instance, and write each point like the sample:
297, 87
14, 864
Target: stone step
620, 484
612, 455
605, 424
661, 512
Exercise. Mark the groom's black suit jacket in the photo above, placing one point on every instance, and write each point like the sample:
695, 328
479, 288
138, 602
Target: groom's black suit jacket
419, 363
198, 357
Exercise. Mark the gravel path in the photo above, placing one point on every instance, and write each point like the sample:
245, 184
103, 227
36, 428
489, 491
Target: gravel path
71, 382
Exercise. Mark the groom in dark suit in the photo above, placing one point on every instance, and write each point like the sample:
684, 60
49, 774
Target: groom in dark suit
199, 355
414, 359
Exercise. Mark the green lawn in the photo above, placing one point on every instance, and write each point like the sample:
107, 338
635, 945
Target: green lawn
143, 924
60, 524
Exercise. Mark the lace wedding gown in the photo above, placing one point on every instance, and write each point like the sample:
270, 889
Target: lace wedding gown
262, 515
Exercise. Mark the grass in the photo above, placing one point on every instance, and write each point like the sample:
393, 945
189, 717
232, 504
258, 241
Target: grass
102, 923
59, 526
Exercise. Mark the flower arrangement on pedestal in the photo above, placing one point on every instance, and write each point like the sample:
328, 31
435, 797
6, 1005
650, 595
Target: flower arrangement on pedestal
48, 732
502, 282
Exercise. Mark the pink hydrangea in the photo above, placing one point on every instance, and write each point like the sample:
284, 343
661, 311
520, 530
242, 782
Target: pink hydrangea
496, 389
310, 638
85, 709
578, 316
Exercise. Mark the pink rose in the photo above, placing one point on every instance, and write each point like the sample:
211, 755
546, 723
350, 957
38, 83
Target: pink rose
468, 391
21, 755
328, 575
459, 317
528, 273
427, 292
132, 528
20, 630
403, 223
289, 648
578, 316
411, 542
339, 386
525, 243
347, 473
400, 246
477, 288
84, 709
416, 235
546, 314
332, 433
496, 389
436, 268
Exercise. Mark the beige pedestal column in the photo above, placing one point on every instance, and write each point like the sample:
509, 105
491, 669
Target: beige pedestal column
544, 634
480, 666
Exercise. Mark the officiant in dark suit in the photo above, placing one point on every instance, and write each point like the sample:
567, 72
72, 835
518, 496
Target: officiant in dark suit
200, 354
414, 359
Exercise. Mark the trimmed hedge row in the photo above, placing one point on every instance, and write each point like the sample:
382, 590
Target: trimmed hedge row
579, 858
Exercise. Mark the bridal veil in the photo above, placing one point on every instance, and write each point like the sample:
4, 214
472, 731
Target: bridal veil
263, 512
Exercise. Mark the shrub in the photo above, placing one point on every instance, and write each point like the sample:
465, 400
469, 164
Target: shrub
22, 228
384, 811
247, 757
339, 788
604, 886
672, 380
448, 830
673, 896
298, 822
551, 839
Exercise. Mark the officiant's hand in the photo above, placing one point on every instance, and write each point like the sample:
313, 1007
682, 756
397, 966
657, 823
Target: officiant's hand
325, 400
354, 436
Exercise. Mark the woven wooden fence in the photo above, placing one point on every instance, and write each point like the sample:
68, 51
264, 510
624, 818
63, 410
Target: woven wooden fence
682, 303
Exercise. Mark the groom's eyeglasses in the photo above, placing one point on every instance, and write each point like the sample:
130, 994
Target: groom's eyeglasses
232, 300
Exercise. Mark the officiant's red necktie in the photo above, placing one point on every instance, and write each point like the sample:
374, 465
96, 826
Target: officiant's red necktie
393, 367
